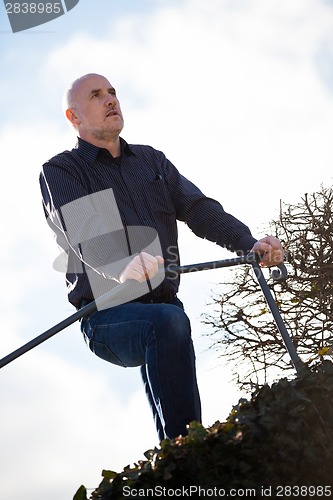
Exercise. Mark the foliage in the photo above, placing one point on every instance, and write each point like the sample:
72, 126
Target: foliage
282, 436
243, 330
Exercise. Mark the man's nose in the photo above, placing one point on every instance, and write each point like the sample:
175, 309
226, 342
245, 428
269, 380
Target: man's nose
110, 100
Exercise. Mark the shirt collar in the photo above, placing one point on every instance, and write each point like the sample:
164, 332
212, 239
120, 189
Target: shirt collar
89, 151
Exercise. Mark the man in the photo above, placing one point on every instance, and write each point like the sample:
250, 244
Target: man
114, 207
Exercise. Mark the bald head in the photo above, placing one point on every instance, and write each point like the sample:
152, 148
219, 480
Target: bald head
91, 105
69, 99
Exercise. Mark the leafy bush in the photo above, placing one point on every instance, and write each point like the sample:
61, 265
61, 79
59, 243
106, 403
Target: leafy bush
283, 436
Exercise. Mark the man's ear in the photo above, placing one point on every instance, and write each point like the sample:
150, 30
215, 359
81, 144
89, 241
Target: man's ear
71, 116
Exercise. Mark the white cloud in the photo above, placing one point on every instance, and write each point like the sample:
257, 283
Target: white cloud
66, 427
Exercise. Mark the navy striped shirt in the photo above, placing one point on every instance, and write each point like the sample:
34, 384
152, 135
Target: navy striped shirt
149, 192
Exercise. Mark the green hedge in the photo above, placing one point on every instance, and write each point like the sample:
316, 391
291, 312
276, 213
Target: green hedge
278, 444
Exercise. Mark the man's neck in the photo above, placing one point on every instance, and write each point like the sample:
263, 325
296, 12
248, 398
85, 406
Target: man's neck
113, 145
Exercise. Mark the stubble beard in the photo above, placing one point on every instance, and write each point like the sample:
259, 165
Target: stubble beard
104, 135
107, 134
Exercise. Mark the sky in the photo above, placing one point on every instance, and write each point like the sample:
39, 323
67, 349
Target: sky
239, 96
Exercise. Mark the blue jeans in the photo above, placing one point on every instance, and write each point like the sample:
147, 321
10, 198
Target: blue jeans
156, 337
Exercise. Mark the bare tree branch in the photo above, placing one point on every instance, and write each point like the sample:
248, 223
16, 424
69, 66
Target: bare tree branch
244, 332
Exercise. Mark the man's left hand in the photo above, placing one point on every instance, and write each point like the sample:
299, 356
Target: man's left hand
270, 250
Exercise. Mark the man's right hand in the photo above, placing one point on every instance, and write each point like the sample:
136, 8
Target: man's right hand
142, 268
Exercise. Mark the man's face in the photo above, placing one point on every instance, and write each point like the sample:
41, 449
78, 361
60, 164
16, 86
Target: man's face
97, 109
